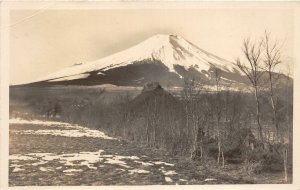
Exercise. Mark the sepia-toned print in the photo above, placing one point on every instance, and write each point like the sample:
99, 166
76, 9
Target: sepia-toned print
102, 97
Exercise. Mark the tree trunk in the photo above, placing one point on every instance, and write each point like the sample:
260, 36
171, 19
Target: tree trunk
276, 124
258, 115
200, 139
201, 151
219, 145
124, 126
274, 106
223, 160
194, 150
219, 139
285, 165
187, 118
219, 152
154, 137
147, 131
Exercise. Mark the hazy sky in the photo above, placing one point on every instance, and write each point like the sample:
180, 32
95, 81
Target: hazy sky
54, 39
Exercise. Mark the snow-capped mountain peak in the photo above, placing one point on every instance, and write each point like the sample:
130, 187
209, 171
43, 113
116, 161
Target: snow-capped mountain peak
171, 50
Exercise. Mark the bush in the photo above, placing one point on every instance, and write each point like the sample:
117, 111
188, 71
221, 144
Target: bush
270, 160
253, 167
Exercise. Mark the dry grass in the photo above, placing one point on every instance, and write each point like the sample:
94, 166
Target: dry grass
107, 174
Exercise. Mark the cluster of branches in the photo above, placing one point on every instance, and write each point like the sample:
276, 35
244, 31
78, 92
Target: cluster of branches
262, 58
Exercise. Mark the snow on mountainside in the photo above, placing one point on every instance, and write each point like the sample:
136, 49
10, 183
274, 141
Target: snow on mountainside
169, 49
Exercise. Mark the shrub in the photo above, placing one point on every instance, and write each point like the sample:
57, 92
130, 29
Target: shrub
270, 160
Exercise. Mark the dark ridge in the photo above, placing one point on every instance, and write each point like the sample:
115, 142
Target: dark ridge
155, 96
137, 74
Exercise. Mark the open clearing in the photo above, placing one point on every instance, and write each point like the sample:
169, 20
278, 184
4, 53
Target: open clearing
56, 153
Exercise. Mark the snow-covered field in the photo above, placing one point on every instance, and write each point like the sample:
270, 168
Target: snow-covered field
51, 161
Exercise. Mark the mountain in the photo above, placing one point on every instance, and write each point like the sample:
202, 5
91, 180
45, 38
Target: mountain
167, 59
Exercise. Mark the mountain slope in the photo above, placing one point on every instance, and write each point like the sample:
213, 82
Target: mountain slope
167, 59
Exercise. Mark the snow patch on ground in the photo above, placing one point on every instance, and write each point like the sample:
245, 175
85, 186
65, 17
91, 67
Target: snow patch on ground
82, 159
165, 172
210, 179
92, 160
46, 169
117, 161
77, 131
20, 157
17, 169
88, 159
164, 163
171, 172
145, 163
39, 163
184, 180
38, 122
72, 170
139, 171
65, 133
168, 179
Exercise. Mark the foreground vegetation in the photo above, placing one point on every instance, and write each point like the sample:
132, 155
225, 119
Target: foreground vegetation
194, 127
136, 164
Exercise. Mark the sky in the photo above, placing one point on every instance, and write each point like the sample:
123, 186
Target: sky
42, 42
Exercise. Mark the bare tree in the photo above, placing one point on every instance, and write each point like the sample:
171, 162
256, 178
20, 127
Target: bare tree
199, 120
285, 158
195, 116
290, 134
147, 116
218, 112
252, 69
188, 90
271, 61
188, 96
